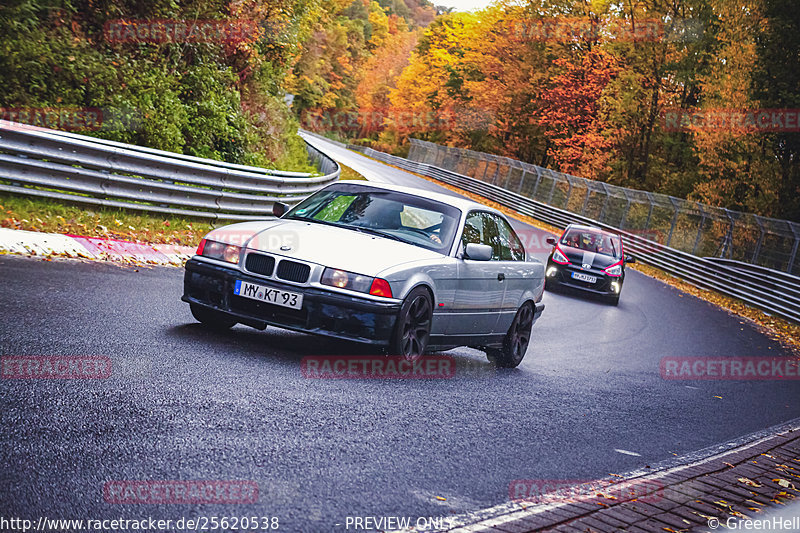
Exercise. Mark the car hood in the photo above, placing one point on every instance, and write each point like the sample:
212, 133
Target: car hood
336, 247
577, 256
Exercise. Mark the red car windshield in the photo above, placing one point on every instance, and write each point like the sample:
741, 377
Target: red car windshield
593, 241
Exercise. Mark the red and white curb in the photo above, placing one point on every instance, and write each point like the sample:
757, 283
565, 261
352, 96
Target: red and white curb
56, 245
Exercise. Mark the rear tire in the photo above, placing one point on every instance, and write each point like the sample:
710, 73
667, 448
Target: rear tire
211, 318
516, 341
413, 327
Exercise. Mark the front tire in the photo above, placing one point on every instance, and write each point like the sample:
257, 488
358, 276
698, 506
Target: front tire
211, 318
516, 341
413, 328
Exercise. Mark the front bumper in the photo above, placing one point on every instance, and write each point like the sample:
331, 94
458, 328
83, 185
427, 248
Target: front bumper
564, 278
323, 312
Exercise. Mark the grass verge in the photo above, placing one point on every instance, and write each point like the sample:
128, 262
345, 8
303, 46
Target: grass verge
350, 174
36, 214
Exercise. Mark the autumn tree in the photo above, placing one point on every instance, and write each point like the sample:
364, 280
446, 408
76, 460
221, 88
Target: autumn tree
575, 118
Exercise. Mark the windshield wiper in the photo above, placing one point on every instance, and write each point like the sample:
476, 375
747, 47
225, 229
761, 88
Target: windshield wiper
361, 229
376, 232
317, 220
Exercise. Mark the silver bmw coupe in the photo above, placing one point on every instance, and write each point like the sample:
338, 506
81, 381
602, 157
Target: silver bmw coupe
404, 269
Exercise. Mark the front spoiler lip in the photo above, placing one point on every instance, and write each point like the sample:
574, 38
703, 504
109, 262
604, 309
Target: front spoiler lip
379, 315
538, 308
562, 279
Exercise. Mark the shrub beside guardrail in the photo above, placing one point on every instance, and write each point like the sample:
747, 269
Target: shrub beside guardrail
76, 168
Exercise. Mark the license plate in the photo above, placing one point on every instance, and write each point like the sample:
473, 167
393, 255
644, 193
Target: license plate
583, 277
266, 294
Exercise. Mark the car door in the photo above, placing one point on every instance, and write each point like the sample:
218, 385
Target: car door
480, 288
517, 273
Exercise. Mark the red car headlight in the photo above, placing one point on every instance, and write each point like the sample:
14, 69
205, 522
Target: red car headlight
559, 257
614, 270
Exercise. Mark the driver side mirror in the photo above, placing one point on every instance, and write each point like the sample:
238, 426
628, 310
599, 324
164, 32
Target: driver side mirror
478, 252
279, 209
629, 259
550, 240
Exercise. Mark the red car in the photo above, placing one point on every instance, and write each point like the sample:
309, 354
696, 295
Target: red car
589, 259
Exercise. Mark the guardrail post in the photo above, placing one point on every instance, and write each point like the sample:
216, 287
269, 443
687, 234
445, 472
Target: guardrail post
649, 211
485, 168
605, 203
727, 240
627, 209
757, 251
496, 171
586, 199
674, 220
569, 193
521, 181
552, 190
793, 255
700, 229
538, 180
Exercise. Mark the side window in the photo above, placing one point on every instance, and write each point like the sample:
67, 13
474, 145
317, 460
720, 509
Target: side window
480, 228
511, 248
473, 230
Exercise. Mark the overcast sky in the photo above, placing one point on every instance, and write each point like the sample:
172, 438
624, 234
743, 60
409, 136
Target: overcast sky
462, 5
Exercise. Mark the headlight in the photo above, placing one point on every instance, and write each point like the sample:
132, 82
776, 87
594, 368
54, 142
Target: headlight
614, 270
220, 251
346, 280
560, 258
356, 282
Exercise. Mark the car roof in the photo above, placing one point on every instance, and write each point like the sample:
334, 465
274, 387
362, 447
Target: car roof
590, 228
459, 202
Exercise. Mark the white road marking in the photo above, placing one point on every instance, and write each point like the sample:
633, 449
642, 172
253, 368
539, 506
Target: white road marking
626, 452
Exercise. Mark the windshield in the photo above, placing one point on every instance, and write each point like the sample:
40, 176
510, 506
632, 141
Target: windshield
404, 217
593, 241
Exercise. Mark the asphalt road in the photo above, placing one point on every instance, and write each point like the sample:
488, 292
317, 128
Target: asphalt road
184, 403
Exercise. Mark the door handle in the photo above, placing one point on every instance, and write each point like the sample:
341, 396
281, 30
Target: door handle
501, 276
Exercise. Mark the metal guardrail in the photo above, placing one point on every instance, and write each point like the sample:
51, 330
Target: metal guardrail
689, 226
774, 292
76, 168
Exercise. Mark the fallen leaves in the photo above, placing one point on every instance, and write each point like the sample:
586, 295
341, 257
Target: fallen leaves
749, 482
